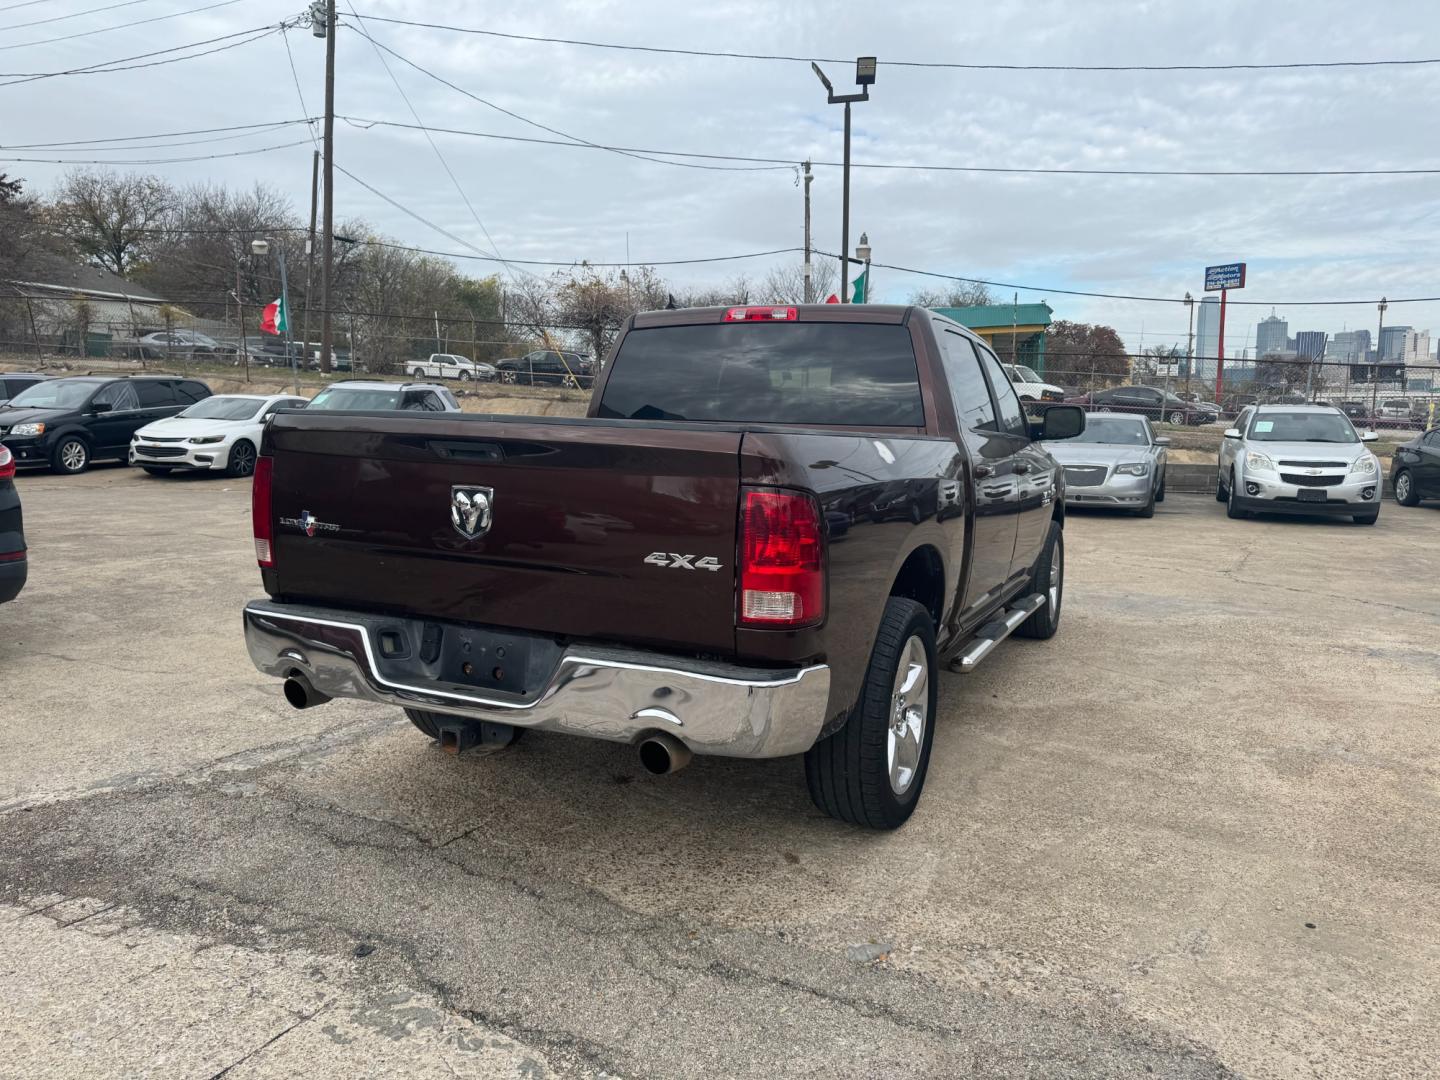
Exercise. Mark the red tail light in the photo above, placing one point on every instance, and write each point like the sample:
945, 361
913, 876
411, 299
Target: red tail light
7, 463
260, 510
761, 314
782, 571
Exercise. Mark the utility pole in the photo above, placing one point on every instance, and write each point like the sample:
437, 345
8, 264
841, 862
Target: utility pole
809, 283
310, 249
327, 268
1190, 343
1379, 356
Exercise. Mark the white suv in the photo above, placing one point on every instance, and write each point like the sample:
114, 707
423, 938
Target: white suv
1298, 459
1031, 387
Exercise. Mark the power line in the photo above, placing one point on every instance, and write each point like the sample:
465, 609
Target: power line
1127, 296
120, 26
73, 15
155, 161
789, 164
105, 67
951, 65
23, 3
556, 131
156, 135
294, 74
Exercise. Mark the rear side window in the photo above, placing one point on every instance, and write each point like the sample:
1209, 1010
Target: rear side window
190, 391
856, 374
154, 394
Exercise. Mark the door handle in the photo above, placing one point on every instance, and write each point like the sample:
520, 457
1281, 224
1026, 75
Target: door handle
1022, 467
982, 471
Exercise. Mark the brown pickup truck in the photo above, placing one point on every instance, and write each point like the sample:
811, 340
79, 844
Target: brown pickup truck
772, 527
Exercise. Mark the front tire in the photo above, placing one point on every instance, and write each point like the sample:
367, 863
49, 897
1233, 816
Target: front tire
242, 459
70, 456
1406, 493
1177, 417
1048, 577
1160, 495
1232, 505
508, 378
872, 770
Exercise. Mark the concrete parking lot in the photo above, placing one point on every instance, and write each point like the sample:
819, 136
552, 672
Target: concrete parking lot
1193, 835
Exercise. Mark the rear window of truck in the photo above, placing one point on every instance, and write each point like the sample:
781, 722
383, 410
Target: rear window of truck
854, 374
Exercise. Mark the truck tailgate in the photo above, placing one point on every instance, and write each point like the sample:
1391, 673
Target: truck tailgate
362, 508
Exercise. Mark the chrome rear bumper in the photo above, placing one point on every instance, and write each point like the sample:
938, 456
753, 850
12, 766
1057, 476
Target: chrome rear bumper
615, 694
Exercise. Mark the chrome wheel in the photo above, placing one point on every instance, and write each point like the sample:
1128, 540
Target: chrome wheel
909, 703
1177, 418
72, 456
1402, 487
507, 377
1057, 577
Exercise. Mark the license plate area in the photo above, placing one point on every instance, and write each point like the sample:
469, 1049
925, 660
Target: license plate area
1312, 495
476, 656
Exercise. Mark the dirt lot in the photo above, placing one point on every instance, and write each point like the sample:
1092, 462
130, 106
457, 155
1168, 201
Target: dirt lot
1193, 835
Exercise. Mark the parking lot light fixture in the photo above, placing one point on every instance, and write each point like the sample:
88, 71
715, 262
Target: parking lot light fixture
864, 78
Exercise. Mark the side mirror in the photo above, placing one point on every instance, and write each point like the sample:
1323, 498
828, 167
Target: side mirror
1059, 422
1162, 440
1232, 433
1369, 436
101, 406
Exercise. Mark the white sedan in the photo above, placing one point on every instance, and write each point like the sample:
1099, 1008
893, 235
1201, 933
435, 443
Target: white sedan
221, 432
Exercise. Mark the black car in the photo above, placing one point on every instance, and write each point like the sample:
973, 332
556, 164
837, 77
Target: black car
1153, 403
13, 382
548, 367
68, 423
1415, 469
12, 531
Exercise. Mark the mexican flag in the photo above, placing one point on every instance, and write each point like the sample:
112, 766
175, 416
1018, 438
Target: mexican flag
275, 320
862, 288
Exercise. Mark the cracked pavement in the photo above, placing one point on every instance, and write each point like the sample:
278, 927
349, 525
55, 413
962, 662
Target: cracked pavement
1191, 836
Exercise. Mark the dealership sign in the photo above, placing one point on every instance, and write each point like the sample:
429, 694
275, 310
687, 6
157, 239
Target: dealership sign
1225, 276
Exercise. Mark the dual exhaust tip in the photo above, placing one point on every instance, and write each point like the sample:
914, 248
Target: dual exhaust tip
660, 754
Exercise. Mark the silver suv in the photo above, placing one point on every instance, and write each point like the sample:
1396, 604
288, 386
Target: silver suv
1298, 459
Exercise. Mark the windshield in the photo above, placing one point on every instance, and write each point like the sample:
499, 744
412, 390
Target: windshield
1021, 373
354, 398
1324, 427
59, 394
1114, 430
860, 374
223, 408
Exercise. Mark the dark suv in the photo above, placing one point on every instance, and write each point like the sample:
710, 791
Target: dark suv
548, 367
68, 423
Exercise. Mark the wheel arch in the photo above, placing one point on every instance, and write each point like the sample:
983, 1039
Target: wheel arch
921, 578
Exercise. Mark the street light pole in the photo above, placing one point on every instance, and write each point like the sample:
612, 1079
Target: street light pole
1190, 343
864, 78
1379, 356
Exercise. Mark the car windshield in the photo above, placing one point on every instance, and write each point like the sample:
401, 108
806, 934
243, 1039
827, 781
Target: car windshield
355, 398
58, 394
1323, 427
223, 408
1114, 430
1024, 374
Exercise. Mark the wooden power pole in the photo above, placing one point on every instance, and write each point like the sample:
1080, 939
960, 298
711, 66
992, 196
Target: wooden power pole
327, 265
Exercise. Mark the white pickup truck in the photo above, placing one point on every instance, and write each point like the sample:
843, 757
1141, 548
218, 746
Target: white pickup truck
450, 366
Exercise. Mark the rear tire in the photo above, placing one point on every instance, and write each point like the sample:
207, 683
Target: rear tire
418, 373
1048, 578
431, 722
1406, 493
1177, 417
872, 770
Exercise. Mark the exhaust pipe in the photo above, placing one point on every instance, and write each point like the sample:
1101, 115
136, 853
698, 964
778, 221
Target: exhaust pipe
301, 694
662, 754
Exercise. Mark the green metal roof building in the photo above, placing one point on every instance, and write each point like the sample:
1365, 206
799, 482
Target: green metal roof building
999, 324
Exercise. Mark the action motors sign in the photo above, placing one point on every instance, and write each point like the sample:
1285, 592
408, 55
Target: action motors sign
1225, 276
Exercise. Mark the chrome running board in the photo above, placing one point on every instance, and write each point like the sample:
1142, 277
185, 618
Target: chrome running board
996, 631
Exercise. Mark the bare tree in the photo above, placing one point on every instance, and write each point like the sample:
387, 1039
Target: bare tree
786, 284
957, 294
111, 217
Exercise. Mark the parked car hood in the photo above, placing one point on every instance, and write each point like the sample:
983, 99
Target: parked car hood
1308, 451
175, 427
1067, 452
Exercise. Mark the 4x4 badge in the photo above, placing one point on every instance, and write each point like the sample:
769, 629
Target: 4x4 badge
472, 510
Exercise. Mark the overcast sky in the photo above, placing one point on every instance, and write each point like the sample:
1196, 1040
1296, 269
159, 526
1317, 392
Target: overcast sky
1318, 238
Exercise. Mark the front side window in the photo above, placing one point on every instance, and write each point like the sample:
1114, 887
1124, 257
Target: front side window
120, 396
968, 392
1012, 416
